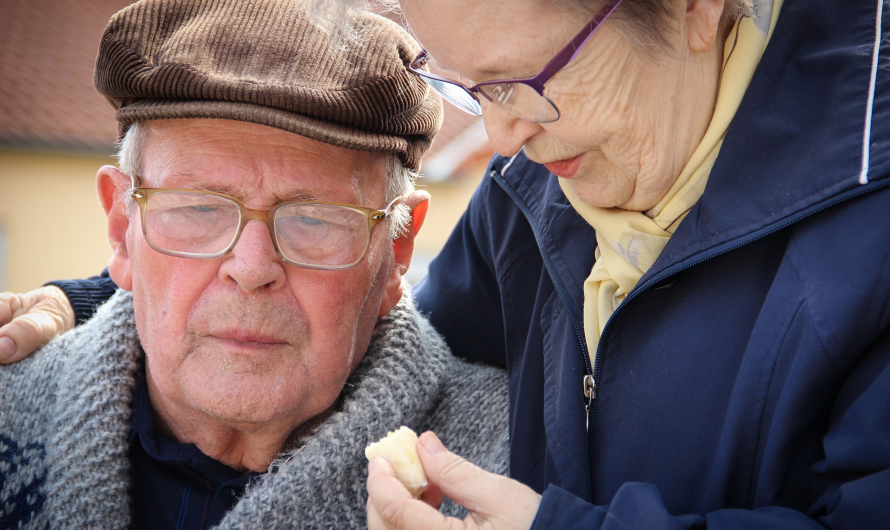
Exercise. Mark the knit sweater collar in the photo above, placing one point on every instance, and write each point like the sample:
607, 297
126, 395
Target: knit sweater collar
317, 484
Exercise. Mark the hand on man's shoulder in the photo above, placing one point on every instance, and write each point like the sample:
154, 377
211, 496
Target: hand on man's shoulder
30, 320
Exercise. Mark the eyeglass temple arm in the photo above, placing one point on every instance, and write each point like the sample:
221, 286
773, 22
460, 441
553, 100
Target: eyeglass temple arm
382, 214
421, 59
574, 47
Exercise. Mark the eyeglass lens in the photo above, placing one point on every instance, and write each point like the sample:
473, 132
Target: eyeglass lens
521, 101
321, 234
456, 95
518, 99
202, 226
191, 223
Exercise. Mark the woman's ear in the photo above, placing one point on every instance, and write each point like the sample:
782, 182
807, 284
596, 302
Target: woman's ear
403, 248
703, 23
112, 186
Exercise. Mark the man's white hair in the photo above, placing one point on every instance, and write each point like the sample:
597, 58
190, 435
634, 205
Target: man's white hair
399, 181
334, 16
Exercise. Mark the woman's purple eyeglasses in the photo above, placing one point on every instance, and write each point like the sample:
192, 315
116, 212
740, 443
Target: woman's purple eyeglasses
524, 97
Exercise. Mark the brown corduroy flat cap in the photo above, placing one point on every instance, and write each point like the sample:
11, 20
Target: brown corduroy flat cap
264, 62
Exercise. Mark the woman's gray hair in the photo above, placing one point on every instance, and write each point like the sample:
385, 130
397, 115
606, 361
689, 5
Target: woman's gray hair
399, 181
645, 18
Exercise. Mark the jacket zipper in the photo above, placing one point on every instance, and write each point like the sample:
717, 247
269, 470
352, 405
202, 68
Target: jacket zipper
591, 376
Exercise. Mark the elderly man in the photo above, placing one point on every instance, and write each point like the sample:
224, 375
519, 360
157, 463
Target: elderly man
261, 338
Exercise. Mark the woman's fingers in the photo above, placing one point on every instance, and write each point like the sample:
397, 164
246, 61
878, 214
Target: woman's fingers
433, 496
31, 320
494, 501
374, 520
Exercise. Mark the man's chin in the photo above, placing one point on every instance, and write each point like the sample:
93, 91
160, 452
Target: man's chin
246, 403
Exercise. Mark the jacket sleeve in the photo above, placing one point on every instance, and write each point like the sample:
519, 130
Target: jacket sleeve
460, 295
88, 294
851, 484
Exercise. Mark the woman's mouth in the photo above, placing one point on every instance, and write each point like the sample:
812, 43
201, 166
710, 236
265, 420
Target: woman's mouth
565, 168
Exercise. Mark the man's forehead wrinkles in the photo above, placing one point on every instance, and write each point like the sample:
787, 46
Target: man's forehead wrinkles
359, 175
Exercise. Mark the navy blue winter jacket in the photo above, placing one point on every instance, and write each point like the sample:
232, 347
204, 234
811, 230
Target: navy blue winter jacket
745, 382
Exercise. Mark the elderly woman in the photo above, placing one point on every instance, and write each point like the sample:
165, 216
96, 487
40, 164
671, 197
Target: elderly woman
681, 255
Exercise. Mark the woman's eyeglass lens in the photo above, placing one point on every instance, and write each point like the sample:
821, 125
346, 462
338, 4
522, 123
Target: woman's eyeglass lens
521, 101
518, 99
454, 94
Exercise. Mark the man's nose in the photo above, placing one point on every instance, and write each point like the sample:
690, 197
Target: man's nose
254, 263
506, 133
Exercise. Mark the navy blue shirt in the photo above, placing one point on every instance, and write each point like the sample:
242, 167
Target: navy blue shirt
176, 485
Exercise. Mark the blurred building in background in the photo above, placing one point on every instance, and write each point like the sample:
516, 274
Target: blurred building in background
56, 131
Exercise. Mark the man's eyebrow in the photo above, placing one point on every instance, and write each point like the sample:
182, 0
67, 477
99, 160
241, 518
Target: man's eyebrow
244, 191
297, 195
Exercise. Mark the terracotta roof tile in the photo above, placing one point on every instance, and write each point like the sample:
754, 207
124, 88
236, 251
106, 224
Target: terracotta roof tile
47, 51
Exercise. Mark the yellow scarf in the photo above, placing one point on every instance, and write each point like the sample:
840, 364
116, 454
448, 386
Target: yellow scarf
628, 243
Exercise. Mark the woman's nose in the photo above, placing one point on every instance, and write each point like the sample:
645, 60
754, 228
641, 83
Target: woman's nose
506, 133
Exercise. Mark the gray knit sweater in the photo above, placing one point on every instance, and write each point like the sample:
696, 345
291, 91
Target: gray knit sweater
65, 419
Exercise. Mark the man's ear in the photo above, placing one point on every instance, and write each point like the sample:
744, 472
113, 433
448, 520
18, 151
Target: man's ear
112, 186
703, 23
403, 248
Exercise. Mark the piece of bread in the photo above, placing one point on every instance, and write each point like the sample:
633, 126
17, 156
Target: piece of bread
399, 447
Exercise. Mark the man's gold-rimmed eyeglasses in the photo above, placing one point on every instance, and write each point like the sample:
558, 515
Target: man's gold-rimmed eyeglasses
206, 225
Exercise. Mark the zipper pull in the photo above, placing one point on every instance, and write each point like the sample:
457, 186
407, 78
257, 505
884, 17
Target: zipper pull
590, 395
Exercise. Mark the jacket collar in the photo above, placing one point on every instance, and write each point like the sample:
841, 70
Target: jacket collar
794, 147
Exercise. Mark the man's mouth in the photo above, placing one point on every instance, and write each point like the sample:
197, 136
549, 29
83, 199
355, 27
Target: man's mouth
244, 338
565, 168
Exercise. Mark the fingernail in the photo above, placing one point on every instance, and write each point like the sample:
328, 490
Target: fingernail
7, 348
377, 464
432, 443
